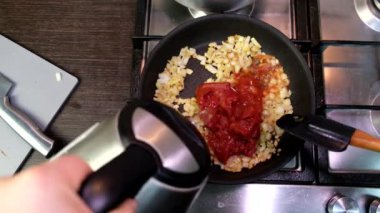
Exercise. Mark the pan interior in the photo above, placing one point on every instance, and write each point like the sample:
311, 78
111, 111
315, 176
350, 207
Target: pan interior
199, 76
198, 34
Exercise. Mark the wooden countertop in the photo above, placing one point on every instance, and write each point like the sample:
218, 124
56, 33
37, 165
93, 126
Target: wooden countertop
90, 39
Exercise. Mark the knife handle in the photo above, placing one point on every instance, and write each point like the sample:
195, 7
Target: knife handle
364, 140
25, 127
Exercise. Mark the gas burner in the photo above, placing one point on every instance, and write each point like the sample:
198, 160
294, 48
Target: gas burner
248, 11
369, 12
377, 4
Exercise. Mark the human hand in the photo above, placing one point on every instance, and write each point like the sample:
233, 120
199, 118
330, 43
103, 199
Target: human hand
50, 187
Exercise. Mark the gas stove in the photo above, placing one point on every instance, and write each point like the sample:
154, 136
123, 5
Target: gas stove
340, 40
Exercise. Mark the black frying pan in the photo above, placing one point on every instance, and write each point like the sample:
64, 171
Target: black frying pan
198, 34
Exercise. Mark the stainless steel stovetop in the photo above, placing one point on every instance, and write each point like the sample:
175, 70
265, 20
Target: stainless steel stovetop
352, 77
348, 38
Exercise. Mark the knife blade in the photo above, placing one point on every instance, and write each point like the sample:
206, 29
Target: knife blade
5, 85
20, 123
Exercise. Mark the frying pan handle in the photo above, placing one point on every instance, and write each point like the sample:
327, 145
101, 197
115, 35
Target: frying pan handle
121, 178
25, 127
366, 141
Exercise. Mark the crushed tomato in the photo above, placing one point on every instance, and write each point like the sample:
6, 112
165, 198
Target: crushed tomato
232, 114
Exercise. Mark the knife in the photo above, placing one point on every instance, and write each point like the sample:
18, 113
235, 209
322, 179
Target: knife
20, 123
333, 135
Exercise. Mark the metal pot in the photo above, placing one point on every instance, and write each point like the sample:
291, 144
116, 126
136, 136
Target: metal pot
216, 6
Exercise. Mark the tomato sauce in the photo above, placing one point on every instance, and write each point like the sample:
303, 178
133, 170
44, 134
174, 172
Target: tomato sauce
232, 113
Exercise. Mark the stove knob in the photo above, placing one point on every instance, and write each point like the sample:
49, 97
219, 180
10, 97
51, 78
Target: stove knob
340, 203
374, 207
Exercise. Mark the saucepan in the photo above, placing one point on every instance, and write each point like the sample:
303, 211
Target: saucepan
301, 126
216, 6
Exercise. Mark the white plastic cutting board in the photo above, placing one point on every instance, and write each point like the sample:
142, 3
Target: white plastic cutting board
39, 90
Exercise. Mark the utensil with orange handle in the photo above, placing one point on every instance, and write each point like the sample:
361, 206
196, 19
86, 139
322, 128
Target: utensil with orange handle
331, 134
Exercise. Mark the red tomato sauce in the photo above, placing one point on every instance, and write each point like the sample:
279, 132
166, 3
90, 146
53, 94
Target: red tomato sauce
232, 114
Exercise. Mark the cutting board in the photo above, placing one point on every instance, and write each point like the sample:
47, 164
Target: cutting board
40, 88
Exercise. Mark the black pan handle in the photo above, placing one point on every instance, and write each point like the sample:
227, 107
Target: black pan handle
121, 178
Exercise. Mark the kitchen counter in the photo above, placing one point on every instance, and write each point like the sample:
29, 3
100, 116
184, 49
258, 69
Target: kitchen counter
89, 39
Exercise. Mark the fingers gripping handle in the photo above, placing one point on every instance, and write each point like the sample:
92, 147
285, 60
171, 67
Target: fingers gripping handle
121, 178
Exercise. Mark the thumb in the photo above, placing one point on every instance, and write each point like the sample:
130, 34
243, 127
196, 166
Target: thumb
72, 170
128, 206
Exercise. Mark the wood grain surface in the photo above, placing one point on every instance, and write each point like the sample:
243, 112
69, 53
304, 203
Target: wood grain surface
90, 39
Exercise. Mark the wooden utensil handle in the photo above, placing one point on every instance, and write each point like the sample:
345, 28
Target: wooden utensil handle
364, 140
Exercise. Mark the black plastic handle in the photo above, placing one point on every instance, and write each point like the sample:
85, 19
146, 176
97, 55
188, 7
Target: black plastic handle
333, 135
121, 178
